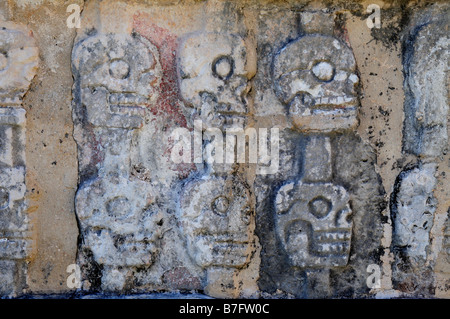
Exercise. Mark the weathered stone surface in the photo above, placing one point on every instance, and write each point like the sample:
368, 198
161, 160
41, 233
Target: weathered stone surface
426, 67
315, 77
291, 128
214, 78
18, 65
7, 277
118, 228
18, 62
116, 78
216, 217
316, 220
313, 224
413, 209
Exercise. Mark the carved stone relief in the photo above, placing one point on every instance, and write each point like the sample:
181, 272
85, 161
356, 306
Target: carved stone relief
318, 86
425, 135
314, 205
18, 65
216, 213
117, 77
315, 77
214, 79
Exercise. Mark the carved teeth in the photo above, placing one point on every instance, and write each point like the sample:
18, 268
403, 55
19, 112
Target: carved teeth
332, 100
127, 99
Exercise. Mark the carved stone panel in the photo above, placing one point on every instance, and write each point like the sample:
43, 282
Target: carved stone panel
314, 206
426, 57
18, 65
216, 210
117, 79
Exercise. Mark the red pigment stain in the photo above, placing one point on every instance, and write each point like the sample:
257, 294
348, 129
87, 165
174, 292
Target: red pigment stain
95, 145
168, 105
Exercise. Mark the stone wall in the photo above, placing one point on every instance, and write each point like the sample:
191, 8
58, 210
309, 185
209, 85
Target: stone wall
236, 149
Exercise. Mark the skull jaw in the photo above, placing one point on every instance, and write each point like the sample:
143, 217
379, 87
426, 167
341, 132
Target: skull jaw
207, 252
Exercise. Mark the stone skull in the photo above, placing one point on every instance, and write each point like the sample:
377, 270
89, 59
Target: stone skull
313, 224
315, 77
120, 228
217, 219
117, 77
213, 78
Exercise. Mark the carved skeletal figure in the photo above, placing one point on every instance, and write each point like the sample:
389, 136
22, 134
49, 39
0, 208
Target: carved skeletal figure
216, 213
213, 78
19, 58
314, 76
116, 79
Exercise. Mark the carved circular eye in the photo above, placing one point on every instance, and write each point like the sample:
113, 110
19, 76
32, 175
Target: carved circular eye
4, 198
223, 67
220, 205
324, 71
119, 69
320, 207
3, 61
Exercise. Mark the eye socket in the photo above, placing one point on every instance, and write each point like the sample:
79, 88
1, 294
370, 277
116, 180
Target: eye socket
320, 207
119, 69
223, 67
323, 70
220, 205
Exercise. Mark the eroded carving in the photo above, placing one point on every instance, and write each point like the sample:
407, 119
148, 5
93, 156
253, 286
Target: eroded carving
18, 62
426, 84
214, 79
216, 219
216, 211
314, 76
117, 79
18, 66
314, 225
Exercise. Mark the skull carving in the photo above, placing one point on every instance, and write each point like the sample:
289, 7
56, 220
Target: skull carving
315, 77
217, 218
119, 227
117, 76
19, 59
213, 78
313, 223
